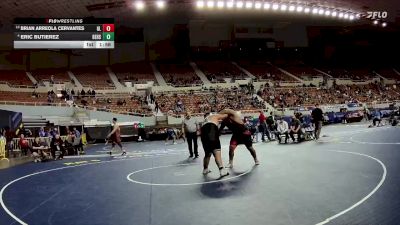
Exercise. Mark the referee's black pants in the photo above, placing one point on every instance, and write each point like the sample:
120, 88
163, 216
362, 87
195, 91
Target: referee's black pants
192, 137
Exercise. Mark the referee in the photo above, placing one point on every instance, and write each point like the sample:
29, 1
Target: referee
190, 127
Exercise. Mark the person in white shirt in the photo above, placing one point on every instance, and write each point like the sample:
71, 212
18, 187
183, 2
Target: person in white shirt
190, 126
283, 128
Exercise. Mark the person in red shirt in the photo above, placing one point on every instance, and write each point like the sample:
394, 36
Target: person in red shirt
24, 145
263, 126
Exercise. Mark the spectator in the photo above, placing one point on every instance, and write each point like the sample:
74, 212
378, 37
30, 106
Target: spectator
3, 142
317, 117
83, 93
38, 153
263, 127
156, 108
271, 123
377, 117
54, 132
57, 147
76, 132
152, 99
24, 145
295, 128
283, 128
42, 132
366, 114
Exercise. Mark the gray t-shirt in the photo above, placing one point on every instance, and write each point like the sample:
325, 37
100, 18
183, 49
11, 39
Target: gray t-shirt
190, 125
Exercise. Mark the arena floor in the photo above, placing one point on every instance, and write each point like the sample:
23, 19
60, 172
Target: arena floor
350, 176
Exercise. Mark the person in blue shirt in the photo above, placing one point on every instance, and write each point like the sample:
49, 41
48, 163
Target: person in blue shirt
76, 132
42, 133
377, 117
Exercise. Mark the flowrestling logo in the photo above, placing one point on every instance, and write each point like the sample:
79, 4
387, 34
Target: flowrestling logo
377, 15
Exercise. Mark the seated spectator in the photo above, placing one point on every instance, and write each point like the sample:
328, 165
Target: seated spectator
57, 147
295, 128
53, 132
283, 128
38, 152
42, 132
69, 141
377, 117
24, 145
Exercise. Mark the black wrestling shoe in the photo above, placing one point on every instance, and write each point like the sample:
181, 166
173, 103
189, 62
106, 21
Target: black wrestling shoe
123, 153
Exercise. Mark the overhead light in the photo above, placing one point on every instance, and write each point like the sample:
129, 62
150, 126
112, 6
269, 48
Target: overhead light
220, 4
327, 13
257, 5
249, 5
275, 6
210, 4
229, 4
384, 24
358, 15
334, 13
375, 22
292, 8
299, 8
239, 4
283, 7
340, 15
346, 16
307, 10
321, 12
267, 6
315, 10
139, 5
351, 17
160, 4
200, 4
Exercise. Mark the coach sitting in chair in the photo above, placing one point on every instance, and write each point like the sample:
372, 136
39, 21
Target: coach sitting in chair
295, 128
283, 129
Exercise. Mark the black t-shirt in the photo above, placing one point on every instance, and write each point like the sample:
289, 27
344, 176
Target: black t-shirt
295, 123
270, 120
317, 115
37, 145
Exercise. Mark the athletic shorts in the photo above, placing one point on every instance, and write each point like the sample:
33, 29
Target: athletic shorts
242, 139
210, 138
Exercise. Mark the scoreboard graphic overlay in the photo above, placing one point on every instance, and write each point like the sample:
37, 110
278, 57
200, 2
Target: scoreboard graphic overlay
47, 33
